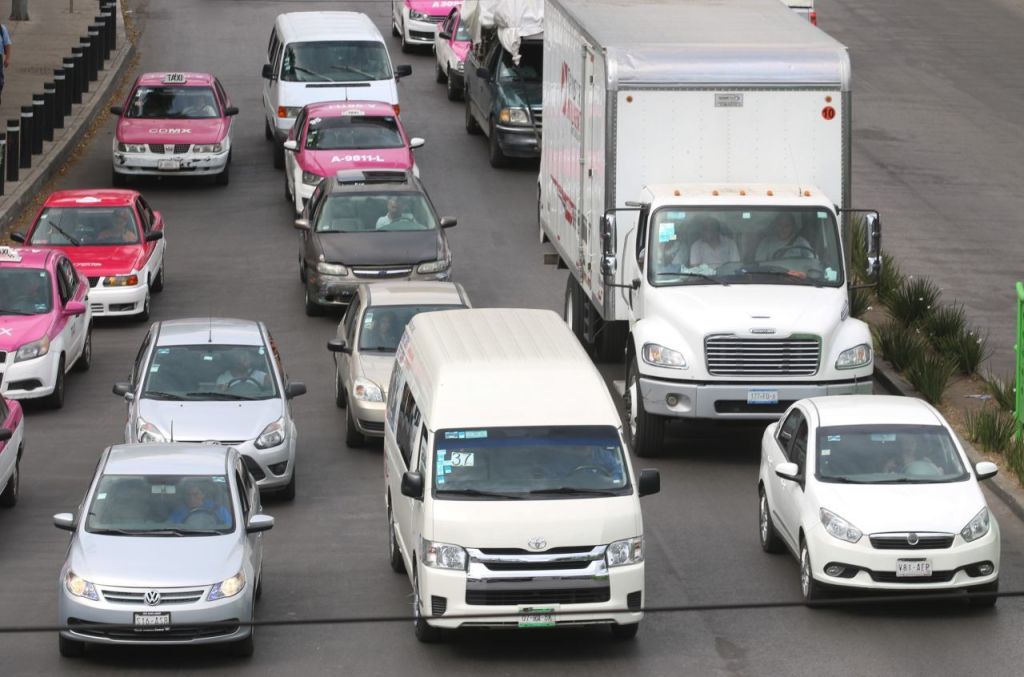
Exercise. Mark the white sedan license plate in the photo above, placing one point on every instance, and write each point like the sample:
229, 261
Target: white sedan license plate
913, 568
762, 396
536, 617
149, 620
168, 165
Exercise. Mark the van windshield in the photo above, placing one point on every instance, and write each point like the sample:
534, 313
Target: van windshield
330, 61
540, 463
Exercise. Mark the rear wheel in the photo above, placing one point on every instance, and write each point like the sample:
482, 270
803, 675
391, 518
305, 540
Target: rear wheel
55, 400
313, 308
84, 360
472, 128
625, 631
770, 541
353, 438
439, 73
573, 309
496, 156
70, 648
302, 270
646, 430
9, 497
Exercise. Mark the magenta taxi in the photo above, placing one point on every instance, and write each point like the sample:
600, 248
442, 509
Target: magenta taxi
451, 45
173, 124
113, 237
414, 20
45, 323
12, 444
334, 135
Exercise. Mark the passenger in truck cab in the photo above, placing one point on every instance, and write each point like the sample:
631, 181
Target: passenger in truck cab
783, 241
713, 248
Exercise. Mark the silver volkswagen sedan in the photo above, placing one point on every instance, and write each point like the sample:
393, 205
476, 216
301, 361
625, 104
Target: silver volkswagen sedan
216, 380
168, 541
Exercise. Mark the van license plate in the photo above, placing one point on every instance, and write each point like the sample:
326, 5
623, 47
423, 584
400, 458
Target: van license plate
761, 396
150, 620
913, 568
536, 617
168, 165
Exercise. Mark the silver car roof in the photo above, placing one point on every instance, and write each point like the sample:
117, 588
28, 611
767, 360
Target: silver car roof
167, 459
212, 330
413, 293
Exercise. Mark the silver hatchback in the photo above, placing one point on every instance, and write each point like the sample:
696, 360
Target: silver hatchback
166, 549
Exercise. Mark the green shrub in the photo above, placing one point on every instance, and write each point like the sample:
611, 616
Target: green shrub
898, 344
890, 279
913, 302
930, 374
990, 428
1003, 391
968, 350
945, 322
860, 301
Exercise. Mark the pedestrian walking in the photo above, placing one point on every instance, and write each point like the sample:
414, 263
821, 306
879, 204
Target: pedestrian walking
5, 40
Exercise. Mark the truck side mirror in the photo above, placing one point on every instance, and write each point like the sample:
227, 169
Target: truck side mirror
873, 242
649, 482
609, 264
268, 72
608, 234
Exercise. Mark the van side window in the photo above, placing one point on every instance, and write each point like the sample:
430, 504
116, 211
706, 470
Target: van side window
408, 424
392, 413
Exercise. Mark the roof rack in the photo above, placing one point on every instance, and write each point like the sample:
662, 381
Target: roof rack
350, 177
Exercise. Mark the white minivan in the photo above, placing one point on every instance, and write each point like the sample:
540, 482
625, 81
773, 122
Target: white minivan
510, 496
323, 56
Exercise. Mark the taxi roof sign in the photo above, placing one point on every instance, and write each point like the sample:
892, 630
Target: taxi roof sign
9, 254
175, 78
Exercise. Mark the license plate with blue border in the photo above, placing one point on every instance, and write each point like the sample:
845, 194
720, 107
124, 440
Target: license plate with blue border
762, 396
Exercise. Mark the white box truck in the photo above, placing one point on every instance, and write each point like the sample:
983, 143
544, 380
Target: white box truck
694, 180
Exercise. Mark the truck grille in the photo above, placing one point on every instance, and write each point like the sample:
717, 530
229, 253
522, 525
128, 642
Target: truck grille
729, 355
902, 541
556, 596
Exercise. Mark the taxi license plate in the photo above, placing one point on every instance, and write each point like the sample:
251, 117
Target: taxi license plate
536, 617
168, 165
151, 620
913, 568
761, 396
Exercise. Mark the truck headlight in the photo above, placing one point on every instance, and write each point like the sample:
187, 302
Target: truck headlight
227, 588
31, 351
120, 280
854, 357
839, 528
366, 390
626, 551
272, 435
311, 179
149, 433
660, 356
418, 16
208, 148
331, 269
433, 266
514, 116
79, 587
977, 527
132, 147
443, 555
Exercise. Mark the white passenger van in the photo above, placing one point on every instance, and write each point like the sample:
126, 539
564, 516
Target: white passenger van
509, 490
323, 56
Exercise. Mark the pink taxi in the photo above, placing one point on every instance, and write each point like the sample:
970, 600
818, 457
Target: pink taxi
335, 135
113, 237
414, 20
12, 444
45, 323
452, 43
173, 124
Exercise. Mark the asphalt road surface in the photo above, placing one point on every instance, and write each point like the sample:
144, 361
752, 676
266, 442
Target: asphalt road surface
232, 251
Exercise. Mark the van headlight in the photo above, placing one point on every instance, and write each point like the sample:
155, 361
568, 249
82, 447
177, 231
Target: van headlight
514, 116
272, 435
839, 528
660, 356
331, 269
31, 351
626, 551
854, 357
227, 588
977, 527
366, 390
433, 266
149, 433
443, 555
79, 587
311, 179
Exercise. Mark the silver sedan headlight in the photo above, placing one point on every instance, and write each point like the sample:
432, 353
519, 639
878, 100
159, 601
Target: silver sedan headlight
272, 435
149, 433
977, 527
79, 587
438, 266
227, 588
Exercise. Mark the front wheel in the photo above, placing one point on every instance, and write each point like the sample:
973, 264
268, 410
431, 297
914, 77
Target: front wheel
278, 156
9, 497
496, 156
472, 128
313, 308
454, 93
70, 648
158, 283
984, 596
646, 430
425, 632
55, 400
395, 560
84, 360
770, 541
340, 396
288, 493
810, 589
353, 438
224, 177
144, 315
439, 73
243, 648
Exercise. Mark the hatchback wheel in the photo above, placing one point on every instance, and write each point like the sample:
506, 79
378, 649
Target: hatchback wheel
770, 541
353, 438
84, 360
288, 492
55, 400
244, 648
340, 395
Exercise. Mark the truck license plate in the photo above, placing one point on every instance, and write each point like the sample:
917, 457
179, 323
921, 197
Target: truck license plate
536, 617
762, 396
913, 568
168, 165
152, 620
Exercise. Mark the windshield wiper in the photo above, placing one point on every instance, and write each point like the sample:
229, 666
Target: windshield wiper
380, 349
214, 395
68, 237
160, 395
703, 276
350, 69
477, 492
788, 275
575, 490
845, 480
114, 532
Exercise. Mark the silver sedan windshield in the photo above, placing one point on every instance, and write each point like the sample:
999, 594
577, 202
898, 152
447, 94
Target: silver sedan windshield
161, 505
209, 372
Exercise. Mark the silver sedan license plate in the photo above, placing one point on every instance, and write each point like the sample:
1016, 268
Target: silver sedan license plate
152, 620
913, 568
536, 617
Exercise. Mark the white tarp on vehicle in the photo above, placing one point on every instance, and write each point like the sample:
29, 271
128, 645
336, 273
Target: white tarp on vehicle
513, 19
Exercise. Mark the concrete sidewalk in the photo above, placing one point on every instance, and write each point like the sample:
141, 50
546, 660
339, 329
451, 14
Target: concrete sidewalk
39, 46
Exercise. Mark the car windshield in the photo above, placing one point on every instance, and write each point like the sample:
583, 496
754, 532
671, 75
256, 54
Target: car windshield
86, 226
383, 326
25, 291
531, 64
209, 372
186, 103
354, 132
744, 245
534, 462
161, 505
379, 211
335, 61
890, 454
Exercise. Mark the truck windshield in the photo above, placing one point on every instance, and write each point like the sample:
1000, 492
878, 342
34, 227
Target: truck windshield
888, 454
744, 245
529, 463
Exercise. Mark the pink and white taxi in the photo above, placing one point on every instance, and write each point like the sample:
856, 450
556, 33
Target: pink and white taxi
45, 323
12, 445
335, 135
113, 237
174, 124
414, 20
452, 43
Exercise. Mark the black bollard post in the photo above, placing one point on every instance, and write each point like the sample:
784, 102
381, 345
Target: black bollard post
96, 42
90, 60
111, 8
103, 20
50, 105
3, 165
26, 137
60, 79
38, 123
12, 158
81, 71
74, 78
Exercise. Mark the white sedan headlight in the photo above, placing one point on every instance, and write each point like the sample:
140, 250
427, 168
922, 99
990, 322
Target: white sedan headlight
626, 551
660, 356
227, 588
433, 266
207, 148
839, 528
977, 527
79, 587
366, 390
418, 16
443, 555
31, 351
272, 435
855, 357
149, 433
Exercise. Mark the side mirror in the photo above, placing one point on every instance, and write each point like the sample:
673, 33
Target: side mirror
609, 264
649, 482
482, 72
65, 521
986, 470
873, 242
788, 471
412, 485
294, 389
302, 224
231, 110
608, 234
117, 110
402, 71
444, 35
258, 523
449, 221
154, 235
18, 237
338, 345
416, 142
6, 434
74, 308
124, 389
291, 144
268, 72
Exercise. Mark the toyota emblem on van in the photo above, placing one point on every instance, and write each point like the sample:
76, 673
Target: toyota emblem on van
537, 543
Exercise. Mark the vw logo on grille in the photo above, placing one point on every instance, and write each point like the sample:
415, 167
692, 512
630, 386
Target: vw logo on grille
537, 543
913, 539
152, 597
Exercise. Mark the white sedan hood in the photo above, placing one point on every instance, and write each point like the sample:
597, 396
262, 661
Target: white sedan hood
945, 508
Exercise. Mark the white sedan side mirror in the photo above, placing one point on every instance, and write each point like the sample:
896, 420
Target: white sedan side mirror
291, 144
416, 142
986, 470
788, 471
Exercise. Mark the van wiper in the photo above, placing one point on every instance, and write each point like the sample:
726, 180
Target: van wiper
575, 490
379, 349
313, 73
478, 492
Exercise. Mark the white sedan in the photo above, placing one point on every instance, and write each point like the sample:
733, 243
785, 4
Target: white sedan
875, 493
